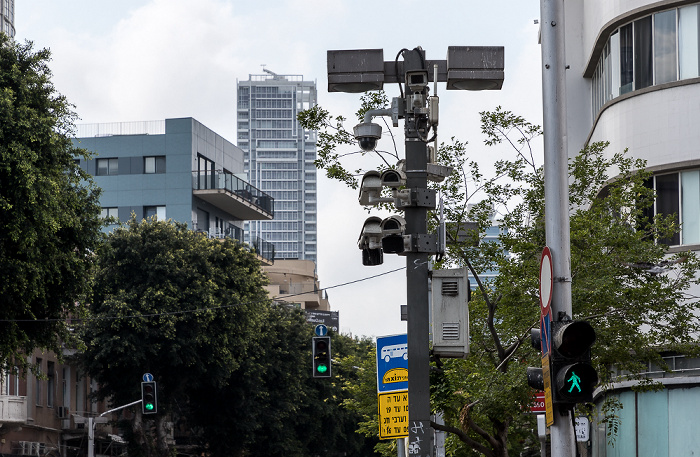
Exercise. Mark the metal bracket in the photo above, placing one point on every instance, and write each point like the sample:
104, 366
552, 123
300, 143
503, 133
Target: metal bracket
422, 243
421, 198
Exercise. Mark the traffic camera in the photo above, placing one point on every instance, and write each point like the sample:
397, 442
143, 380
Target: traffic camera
367, 135
394, 240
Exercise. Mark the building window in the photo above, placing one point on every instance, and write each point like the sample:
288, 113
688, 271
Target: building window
50, 383
157, 211
678, 195
107, 167
37, 383
154, 164
112, 211
655, 49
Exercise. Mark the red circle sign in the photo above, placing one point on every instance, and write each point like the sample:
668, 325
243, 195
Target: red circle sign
546, 280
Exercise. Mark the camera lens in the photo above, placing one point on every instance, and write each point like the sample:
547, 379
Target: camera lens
367, 143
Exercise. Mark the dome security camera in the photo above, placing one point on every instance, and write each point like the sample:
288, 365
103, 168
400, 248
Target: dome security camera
367, 134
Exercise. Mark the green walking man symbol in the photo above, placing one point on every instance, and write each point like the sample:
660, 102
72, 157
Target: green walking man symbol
575, 382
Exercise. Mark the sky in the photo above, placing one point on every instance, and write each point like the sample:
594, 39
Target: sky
142, 60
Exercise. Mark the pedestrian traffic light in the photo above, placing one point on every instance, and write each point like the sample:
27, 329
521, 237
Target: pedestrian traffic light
149, 398
321, 349
573, 376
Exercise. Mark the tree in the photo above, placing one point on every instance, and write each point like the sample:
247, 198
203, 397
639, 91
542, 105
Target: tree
170, 302
635, 311
49, 208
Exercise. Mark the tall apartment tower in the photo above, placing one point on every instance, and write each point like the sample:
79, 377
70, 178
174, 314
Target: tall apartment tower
279, 159
7, 17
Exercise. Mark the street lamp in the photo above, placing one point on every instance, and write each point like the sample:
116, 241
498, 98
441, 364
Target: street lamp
466, 68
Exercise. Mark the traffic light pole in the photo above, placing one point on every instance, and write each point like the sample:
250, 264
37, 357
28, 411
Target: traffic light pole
556, 188
92, 421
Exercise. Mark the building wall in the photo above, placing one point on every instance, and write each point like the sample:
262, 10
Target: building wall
181, 142
634, 80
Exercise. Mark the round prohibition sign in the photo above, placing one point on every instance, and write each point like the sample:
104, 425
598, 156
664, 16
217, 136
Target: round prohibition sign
546, 280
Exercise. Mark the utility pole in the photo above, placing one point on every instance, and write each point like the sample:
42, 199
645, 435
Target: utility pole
92, 421
556, 188
355, 71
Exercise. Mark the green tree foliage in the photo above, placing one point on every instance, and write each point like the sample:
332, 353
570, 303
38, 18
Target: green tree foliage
49, 209
171, 302
636, 311
233, 371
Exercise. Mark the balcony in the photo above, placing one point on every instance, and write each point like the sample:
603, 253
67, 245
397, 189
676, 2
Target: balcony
231, 194
13, 409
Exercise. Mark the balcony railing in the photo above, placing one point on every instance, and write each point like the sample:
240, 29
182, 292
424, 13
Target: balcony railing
13, 409
263, 248
202, 180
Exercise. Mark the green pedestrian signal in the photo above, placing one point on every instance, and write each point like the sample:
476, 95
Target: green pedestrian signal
573, 376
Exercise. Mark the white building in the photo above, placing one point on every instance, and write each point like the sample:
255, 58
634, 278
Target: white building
634, 80
279, 159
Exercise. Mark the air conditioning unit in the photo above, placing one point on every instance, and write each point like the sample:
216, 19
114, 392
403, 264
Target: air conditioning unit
62, 412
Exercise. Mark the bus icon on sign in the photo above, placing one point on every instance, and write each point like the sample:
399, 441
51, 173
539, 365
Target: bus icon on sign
394, 352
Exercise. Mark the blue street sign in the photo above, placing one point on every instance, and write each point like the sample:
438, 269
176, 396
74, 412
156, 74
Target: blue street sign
147, 377
321, 330
392, 363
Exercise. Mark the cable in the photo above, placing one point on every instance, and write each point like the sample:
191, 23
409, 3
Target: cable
173, 313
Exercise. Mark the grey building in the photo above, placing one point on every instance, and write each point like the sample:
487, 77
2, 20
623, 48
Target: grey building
7, 17
174, 169
279, 159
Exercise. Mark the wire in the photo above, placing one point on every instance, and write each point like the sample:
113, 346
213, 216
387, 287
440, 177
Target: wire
196, 310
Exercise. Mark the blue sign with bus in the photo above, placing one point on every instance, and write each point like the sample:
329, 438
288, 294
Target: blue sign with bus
392, 363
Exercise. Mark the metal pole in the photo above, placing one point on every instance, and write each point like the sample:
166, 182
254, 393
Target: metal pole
419, 431
556, 186
91, 437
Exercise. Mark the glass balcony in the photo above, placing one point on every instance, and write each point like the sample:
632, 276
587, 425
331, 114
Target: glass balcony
233, 195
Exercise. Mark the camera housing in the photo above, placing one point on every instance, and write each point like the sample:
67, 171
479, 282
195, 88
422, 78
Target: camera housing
367, 135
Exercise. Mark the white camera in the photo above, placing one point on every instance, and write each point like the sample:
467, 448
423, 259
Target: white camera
367, 134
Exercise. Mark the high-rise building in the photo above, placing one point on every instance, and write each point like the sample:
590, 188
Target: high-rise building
7, 17
279, 159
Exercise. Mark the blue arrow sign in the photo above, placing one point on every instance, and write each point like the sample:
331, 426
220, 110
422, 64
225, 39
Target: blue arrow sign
321, 330
147, 377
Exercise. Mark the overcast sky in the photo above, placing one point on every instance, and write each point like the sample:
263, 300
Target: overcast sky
138, 60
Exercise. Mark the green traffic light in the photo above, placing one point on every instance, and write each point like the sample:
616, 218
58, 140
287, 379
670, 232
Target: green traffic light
321, 368
149, 406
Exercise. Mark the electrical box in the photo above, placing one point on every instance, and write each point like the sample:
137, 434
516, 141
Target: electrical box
450, 310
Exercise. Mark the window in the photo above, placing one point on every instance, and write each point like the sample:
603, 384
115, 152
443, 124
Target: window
154, 164
50, 384
112, 211
665, 63
678, 194
107, 167
37, 383
157, 211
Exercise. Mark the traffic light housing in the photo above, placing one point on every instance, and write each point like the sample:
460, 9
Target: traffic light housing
573, 376
149, 398
321, 349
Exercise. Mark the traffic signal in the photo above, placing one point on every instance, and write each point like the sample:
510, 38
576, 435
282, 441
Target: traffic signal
573, 376
321, 349
149, 398
534, 374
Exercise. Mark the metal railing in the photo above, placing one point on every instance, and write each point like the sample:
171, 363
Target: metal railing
263, 248
202, 180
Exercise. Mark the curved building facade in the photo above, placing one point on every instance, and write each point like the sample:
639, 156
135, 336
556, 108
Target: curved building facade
7, 17
633, 79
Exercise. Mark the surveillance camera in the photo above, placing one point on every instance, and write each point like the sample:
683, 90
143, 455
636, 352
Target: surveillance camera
371, 189
393, 178
367, 134
394, 241
371, 234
